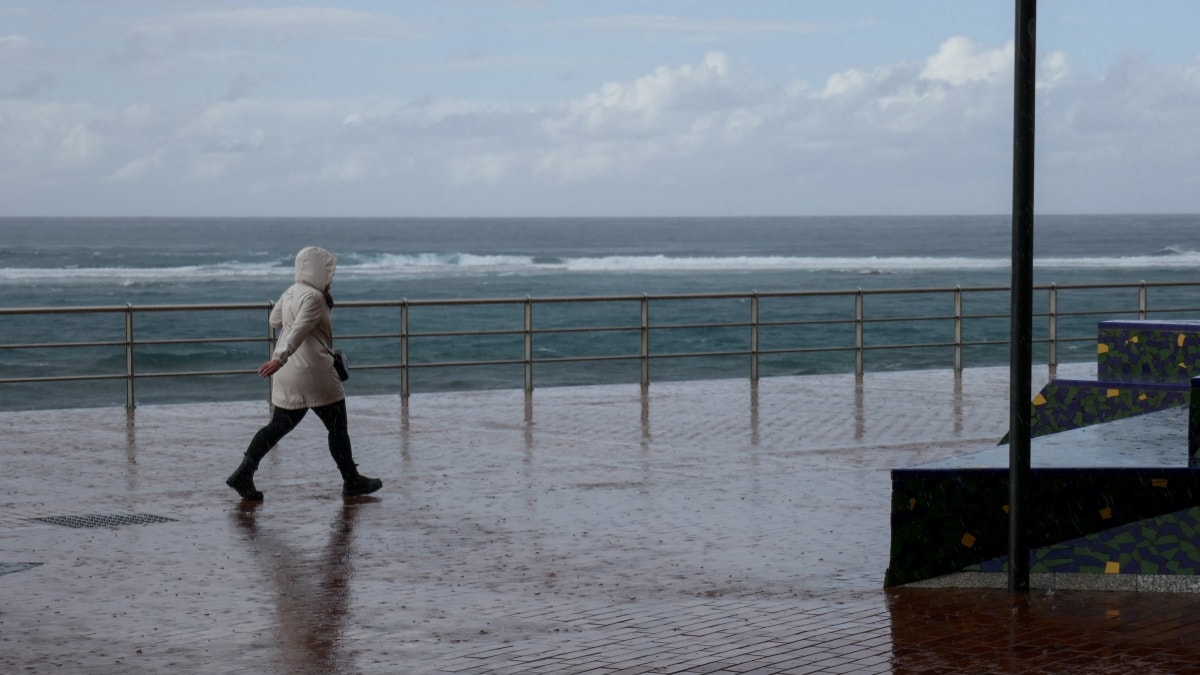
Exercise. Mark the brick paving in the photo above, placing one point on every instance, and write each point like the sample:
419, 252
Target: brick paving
701, 527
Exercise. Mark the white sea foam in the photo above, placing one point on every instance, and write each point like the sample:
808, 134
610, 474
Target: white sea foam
134, 275
432, 265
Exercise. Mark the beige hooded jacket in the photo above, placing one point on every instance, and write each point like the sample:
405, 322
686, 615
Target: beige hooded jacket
305, 336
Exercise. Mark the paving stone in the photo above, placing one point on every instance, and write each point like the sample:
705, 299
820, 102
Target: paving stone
703, 526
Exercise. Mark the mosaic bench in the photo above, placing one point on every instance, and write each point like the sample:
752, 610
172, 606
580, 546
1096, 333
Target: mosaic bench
1141, 367
1117, 505
1113, 496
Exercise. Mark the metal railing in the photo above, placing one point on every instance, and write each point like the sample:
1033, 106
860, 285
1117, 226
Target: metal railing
840, 313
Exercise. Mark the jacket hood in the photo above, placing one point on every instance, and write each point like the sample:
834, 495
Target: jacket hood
314, 267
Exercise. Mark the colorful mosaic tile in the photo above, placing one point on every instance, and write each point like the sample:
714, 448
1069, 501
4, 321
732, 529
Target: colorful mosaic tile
950, 520
1071, 404
1086, 519
1164, 545
1141, 367
1147, 351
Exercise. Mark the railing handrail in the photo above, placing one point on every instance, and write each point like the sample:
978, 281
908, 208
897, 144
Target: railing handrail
551, 299
114, 309
859, 320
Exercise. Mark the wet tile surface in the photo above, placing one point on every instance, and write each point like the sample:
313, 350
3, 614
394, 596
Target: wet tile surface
1152, 440
705, 527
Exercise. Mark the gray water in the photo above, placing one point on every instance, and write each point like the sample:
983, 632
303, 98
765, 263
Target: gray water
54, 262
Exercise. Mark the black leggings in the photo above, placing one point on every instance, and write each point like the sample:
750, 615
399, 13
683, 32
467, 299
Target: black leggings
283, 421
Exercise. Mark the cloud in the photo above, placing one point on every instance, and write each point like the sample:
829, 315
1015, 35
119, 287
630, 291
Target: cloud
78, 147
11, 44
239, 87
136, 169
959, 61
19, 53
932, 136
853, 81
644, 102
210, 167
171, 44
706, 133
48, 137
29, 87
1053, 69
483, 167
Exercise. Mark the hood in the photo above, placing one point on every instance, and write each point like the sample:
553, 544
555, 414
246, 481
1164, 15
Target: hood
314, 267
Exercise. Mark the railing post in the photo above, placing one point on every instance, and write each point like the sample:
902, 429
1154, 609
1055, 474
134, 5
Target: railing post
858, 333
754, 336
1052, 332
645, 340
528, 344
404, 348
130, 375
958, 329
130, 398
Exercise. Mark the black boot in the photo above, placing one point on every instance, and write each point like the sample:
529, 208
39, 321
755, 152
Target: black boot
356, 485
242, 480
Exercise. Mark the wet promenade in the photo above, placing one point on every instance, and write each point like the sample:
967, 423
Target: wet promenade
702, 527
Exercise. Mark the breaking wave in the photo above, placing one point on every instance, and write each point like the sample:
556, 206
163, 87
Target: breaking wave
432, 265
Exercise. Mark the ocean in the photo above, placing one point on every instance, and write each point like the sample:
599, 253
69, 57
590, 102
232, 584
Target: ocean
70, 262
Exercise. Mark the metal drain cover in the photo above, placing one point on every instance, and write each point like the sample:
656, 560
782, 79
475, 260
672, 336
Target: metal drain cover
106, 520
9, 568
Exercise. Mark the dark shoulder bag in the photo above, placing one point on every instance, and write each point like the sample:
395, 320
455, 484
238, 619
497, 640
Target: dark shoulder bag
339, 362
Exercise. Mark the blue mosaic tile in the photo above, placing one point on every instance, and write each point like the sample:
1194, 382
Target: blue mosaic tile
1150, 546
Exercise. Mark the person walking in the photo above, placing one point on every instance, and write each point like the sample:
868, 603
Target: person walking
304, 377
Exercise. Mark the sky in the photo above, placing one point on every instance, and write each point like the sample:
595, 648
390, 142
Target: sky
532, 108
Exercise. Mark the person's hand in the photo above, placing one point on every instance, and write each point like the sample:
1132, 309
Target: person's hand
269, 368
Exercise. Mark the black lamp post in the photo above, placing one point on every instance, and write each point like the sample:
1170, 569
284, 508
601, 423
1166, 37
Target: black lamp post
1021, 364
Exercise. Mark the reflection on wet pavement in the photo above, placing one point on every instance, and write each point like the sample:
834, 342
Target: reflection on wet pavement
702, 527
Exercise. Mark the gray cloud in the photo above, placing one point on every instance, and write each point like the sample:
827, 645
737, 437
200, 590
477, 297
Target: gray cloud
28, 87
707, 134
